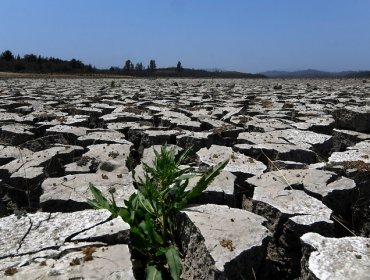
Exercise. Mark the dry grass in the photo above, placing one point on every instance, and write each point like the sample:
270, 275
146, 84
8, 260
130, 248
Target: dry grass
266, 103
88, 251
227, 243
244, 119
288, 105
356, 164
145, 123
10, 271
257, 99
133, 110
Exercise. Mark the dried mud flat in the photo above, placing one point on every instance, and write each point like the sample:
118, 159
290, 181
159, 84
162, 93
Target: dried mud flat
293, 201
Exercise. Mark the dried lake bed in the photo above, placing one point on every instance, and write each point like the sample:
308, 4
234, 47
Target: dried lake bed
294, 200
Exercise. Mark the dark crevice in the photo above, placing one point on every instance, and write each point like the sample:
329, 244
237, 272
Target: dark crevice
69, 238
30, 253
25, 235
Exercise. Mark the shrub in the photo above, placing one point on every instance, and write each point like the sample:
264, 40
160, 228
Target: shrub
151, 211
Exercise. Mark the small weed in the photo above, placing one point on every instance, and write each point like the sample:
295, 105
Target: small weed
75, 261
61, 119
10, 271
88, 253
257, 99
151, 211
218, 130
227, 243
356, 164
233, 157
266, 103
244, 119
288, 105
145, 123
250, 160
83, 161
133, 110
113, 154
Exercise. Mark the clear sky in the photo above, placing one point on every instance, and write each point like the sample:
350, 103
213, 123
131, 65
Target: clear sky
242, 35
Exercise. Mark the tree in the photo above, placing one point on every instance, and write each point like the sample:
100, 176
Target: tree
31, 58
139, 67
7, 55
179, 67
127, 66
90, 69
19, 66
152, 65
76, 64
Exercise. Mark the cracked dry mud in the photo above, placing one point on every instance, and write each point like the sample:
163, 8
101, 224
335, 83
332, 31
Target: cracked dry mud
293, 202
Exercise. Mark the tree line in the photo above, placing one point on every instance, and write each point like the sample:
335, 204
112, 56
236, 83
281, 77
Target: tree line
140, 70
31, 63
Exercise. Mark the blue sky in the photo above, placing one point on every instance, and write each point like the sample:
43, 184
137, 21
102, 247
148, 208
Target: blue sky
242, 35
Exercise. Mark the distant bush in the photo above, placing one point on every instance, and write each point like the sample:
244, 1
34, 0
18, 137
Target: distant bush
7, 55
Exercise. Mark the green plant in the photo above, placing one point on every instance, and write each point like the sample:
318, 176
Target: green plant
151, 211
112, 84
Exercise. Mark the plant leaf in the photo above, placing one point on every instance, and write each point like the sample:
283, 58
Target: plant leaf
173, 261
151, 231
99, 197
145, 203
184, 155
138, 239
100, 202
186, 176
152, 273
124, 214
94, 204
205, 180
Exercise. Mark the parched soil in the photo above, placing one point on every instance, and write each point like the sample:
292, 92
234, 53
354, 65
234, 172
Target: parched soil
296, 188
